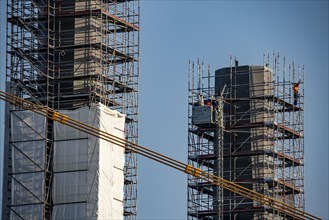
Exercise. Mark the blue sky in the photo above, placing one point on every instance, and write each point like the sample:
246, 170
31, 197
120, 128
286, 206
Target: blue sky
172, 32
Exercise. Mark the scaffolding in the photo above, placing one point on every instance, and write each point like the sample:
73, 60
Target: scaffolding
263, 145
69, 54
205, 141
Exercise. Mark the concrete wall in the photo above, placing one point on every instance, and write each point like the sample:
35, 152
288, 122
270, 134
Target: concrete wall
74, 35
245, 82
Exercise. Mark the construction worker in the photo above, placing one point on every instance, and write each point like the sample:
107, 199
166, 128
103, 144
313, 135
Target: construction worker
200, 101
295, 90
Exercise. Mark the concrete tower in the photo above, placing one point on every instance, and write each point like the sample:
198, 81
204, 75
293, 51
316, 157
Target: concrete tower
80, 58
262, 144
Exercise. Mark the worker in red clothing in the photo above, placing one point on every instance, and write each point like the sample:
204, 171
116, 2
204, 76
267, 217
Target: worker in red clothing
295, 90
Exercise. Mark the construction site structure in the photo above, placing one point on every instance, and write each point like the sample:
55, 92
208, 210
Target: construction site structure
262, 142
80, 56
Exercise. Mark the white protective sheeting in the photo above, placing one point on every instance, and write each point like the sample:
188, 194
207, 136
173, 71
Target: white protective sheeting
88, 179
27, 146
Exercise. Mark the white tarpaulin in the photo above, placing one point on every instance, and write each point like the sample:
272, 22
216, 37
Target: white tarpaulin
87, 169
27, 144
88, 178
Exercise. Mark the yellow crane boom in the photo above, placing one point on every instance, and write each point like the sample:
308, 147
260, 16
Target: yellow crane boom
279, 206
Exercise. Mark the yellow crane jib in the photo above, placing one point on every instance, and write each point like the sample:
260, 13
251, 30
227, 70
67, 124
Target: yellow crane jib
56, 116
193, 171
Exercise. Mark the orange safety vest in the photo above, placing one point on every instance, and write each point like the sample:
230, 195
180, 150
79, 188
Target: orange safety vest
295, 88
